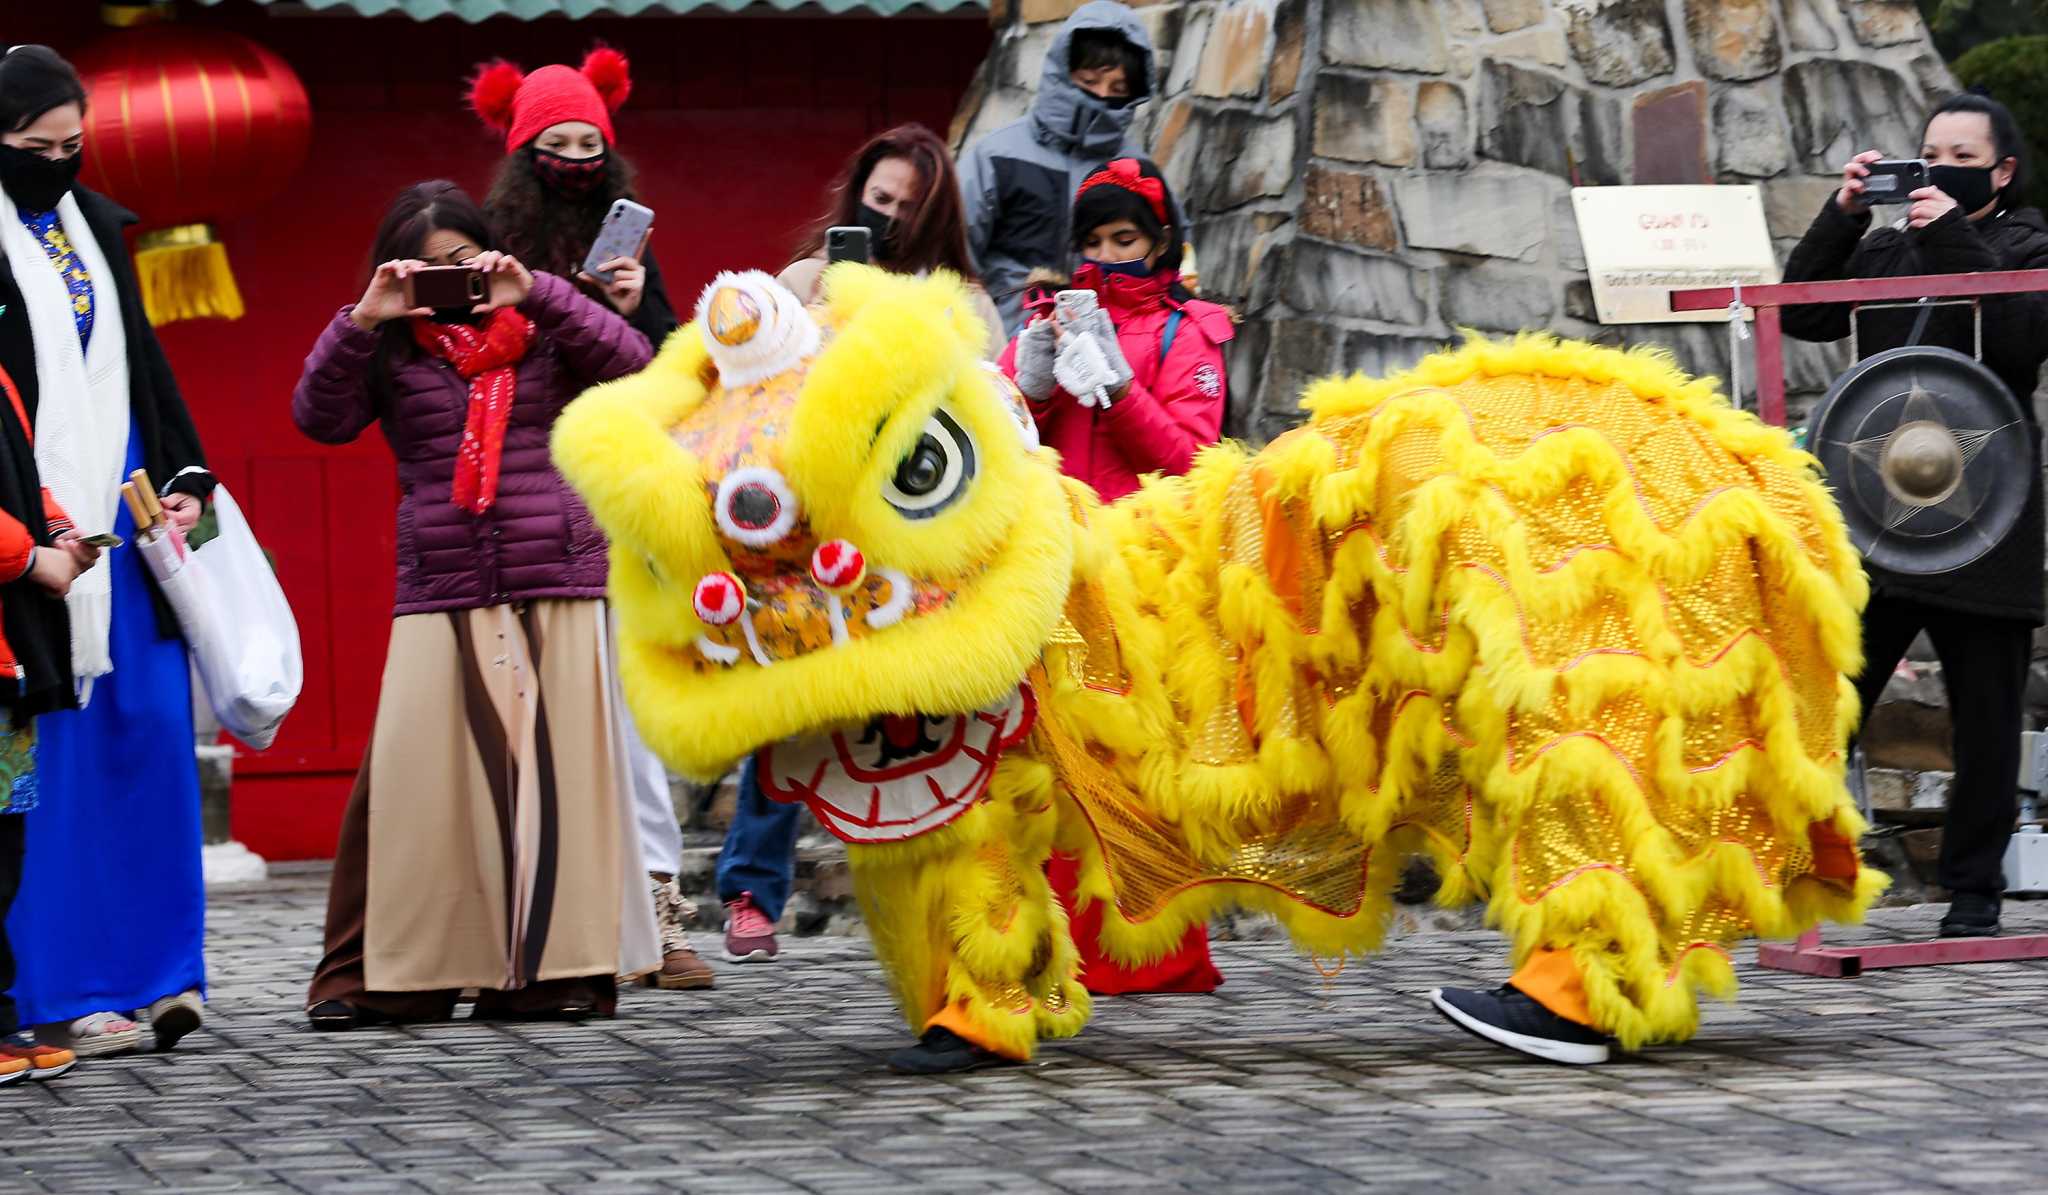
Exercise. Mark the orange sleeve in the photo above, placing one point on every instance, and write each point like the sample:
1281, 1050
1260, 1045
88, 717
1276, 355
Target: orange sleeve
15, 546
54, 515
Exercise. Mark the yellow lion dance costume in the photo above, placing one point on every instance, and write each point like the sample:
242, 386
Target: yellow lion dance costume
1554, 615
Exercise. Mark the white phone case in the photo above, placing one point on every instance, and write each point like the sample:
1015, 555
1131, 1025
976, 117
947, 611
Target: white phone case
624, 234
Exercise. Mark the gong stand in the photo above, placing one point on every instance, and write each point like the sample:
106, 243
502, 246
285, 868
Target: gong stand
1766, 301
1807, 955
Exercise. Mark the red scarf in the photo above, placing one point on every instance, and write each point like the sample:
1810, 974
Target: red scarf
488, 359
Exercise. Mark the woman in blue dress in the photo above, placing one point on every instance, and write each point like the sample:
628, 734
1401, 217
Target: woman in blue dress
110, 919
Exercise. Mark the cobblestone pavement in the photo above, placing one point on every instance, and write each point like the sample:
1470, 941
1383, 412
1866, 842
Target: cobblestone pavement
1935, 1079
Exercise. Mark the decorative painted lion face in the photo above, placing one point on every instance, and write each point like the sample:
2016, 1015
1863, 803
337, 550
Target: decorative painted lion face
828, 526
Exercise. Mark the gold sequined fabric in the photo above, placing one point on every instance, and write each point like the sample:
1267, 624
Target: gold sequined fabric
1597, 626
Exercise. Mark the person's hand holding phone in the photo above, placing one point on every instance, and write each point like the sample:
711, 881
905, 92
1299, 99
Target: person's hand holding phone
1929, 204
1854, 171
627, 287
509, 281
55, 568
384, 299
82, 551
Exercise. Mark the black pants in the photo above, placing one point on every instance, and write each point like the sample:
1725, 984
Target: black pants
13, 834
1984, 667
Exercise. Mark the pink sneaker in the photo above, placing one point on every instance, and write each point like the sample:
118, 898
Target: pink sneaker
749, 935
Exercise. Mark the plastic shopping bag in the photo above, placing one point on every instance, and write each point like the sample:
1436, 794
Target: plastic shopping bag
237, 624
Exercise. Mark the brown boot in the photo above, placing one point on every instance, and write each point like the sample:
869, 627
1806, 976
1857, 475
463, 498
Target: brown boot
680, 966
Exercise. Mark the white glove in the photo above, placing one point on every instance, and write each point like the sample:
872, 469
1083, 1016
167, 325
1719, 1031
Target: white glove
1035, 360
1083, 369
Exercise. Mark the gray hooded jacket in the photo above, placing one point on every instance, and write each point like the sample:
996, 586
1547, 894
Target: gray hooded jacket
1019, 181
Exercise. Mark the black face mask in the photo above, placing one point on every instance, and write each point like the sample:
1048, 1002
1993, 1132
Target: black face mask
1969, 186
572, 177
881, 231
36, 183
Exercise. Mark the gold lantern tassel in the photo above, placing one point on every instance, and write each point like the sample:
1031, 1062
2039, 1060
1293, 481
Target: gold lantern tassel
184, 275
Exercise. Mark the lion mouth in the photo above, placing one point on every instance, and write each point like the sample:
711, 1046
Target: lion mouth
898, 776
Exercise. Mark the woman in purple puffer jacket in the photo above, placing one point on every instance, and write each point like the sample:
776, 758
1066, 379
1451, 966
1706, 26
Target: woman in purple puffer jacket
490, 840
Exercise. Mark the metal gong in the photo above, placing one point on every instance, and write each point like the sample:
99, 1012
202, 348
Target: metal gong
1927, 454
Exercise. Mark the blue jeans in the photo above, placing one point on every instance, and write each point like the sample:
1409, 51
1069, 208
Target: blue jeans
760, 849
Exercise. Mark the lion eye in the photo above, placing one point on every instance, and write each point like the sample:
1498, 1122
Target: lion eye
935, 471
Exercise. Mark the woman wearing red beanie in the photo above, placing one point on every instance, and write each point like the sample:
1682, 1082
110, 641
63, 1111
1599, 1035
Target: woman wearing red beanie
562, 172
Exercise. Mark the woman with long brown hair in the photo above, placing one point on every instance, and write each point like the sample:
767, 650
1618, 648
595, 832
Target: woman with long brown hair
902, 187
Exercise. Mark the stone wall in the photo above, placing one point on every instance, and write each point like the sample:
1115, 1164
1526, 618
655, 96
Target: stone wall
1368, 176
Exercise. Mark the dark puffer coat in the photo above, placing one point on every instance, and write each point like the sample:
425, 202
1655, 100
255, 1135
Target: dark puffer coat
537, 540
2005, 582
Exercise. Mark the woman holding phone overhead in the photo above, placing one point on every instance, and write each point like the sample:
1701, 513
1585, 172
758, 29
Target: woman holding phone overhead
490, 842
562, 175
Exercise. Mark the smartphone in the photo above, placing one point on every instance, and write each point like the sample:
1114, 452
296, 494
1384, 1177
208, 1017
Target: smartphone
1894, 181
446, 288
847, 242
624, 233
1073, 306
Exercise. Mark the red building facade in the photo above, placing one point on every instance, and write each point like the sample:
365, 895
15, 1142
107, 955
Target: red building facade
736, 125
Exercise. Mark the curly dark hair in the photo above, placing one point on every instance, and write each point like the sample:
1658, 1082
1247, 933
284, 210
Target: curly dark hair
548, 231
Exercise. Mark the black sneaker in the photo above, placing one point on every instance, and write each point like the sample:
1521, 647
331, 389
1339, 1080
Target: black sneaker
1506, 1017
1971, 915
941, 1052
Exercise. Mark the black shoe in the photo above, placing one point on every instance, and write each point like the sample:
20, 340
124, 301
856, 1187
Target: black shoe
331, 1015
1506, 1017
941, 1052
1971, 915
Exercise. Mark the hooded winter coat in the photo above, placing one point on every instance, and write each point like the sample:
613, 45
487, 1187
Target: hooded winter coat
1019, 181
1174, 406
2006, 581
537, 540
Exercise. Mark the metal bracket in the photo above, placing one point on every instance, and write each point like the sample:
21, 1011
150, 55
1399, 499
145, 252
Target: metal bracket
1976, 320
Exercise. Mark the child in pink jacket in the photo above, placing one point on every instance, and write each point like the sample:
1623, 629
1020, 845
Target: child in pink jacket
1138, 385
1131, 387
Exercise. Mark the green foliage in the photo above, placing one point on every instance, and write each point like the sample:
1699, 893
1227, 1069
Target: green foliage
2015, 71
1962, 25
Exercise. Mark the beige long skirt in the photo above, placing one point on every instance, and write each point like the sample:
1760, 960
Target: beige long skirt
502, 849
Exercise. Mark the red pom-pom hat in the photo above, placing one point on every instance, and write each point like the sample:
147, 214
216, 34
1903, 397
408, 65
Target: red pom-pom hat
524, 106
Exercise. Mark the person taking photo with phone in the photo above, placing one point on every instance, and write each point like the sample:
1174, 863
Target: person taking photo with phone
111, 914
1125, 377
1968, 218
561, 174
490, 840
902, 190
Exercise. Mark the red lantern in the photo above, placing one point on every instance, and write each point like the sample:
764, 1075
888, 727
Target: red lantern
189, 126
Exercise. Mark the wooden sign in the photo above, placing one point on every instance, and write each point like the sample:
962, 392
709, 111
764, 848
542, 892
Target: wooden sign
1642, 243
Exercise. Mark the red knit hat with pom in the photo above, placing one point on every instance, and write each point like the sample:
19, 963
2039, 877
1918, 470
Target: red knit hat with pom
524, 105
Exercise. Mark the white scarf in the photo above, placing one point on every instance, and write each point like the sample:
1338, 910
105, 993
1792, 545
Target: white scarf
82, 412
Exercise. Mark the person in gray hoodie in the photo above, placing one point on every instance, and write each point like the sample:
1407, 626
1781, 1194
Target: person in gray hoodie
1019, 180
